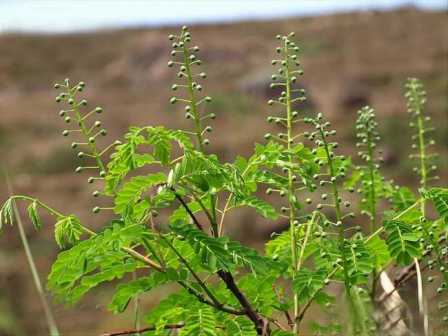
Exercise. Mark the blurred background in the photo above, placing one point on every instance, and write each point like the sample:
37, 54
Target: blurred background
354, 53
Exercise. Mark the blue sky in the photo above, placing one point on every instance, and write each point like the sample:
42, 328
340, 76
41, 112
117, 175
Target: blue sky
76, 15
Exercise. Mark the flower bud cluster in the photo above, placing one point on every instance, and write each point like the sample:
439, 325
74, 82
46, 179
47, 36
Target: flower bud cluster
416, 101
334, 166
372, 182
88, 131
185, 60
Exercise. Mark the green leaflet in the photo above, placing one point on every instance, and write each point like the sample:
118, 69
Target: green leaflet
361, 314
260, 206
211, 251
326, 329
279, 247
259, 288
377, 248
439, 197
7, 213
126, 157
33, 214
359, 261
402, 198
67, 231
307, 283
202, 322
93, 261
125, 292
172, 309
221, 253
206, 173
239, 326
132, 191
402, 241
161, 138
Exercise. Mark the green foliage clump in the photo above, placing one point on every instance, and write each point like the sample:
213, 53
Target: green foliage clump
169, 226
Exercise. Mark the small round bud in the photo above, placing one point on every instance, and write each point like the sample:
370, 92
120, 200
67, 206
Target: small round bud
102, 173
67, 119
98, 109
173, 100
65, 132
96, 209
206, 142
308, 201
78, 170
96, 193
90, 180
91, 139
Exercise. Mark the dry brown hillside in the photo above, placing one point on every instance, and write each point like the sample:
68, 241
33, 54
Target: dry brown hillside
349, 60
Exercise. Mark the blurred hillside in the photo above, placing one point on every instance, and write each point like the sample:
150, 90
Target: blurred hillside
350, 60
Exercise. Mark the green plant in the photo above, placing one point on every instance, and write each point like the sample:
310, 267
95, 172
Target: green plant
169, 226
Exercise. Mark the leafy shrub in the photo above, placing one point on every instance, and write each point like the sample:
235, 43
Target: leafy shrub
226, 288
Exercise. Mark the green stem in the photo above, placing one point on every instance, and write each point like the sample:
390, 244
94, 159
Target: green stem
43, 205
337, 208
371, 168
373, 214
85, 131
289, 139
193, 99
423, 185
305, 241
51, 322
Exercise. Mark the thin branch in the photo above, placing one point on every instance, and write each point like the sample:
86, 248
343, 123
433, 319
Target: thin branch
193, 273
139, 331
228, 279
190, 213
224, 308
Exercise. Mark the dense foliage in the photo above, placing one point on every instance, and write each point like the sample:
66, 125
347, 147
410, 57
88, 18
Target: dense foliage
170, 199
